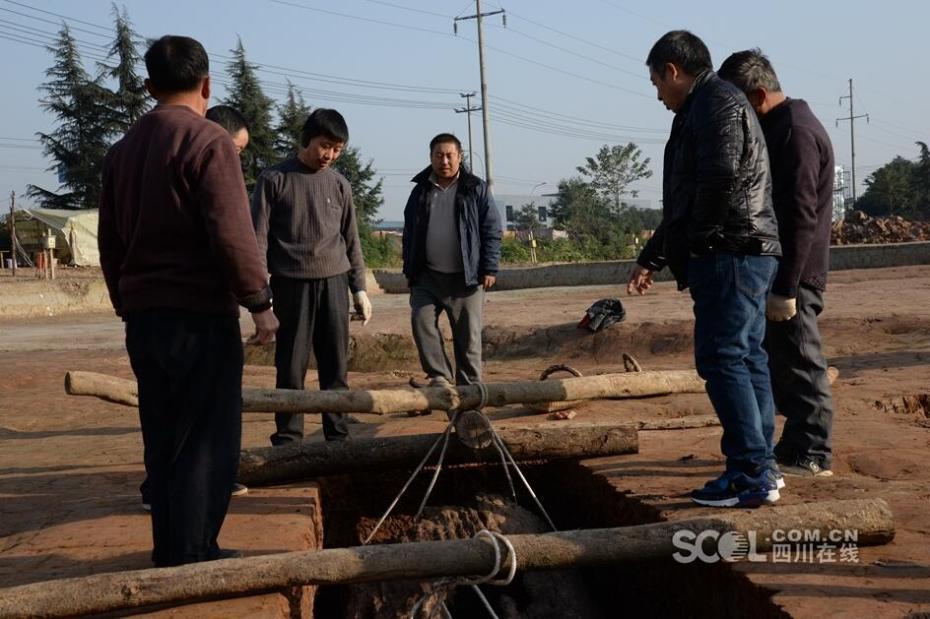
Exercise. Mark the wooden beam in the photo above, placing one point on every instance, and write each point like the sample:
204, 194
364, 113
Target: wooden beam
122, 591
622, 385
272, 465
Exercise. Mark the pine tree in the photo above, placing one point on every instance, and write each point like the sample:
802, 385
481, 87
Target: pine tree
365, 193
129, 101
80, 141
246, 96
291, 118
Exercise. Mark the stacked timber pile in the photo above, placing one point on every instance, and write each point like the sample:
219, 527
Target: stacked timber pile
860, 228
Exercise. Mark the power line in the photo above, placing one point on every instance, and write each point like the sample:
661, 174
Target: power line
74, 19
558, 116
580, 39
47, 21
28, 30
514, 116
564, 72
573, 53
437, 32
407, 8
359, 18
322, 77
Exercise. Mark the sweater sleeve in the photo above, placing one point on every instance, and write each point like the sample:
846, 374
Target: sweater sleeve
353, 242
262, 199
796, 206
112, 249
224, 204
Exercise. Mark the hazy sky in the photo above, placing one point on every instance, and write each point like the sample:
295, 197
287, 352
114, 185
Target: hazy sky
564, 78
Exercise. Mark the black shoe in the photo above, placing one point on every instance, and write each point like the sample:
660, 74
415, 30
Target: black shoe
229, 553
804, 467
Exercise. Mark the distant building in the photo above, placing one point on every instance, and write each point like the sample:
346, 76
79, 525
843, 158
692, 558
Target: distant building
386, 225
511, 204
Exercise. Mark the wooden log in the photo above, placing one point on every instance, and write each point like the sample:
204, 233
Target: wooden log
625, 385
681, 423
103, 386
121, 591
272, 465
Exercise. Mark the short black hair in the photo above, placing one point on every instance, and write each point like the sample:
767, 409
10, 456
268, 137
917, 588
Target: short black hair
750, 70
681, 48
325, 122
444, 138
176, 64
228, 118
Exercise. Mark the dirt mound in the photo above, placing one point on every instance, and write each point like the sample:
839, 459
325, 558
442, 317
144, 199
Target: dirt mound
860, 228
391, 351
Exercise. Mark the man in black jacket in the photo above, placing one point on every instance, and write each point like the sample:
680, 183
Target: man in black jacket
802, 172
719, 237
451, 248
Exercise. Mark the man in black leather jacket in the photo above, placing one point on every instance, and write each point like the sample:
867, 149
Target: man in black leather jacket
719, 237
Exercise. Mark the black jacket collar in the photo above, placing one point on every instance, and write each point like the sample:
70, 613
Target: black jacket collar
466, 178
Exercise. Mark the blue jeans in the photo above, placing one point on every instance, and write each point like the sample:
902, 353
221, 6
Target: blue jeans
729, 293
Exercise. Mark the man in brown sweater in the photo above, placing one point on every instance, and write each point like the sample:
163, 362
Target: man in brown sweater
179, 256
305, 222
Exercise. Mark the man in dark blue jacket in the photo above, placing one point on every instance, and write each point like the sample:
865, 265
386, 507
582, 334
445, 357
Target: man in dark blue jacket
719, 237
802, 173
452, 238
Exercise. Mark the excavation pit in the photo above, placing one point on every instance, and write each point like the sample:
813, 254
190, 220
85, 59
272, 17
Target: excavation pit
466, 497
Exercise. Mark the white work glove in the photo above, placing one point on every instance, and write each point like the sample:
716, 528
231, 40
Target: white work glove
362, 305
779, 308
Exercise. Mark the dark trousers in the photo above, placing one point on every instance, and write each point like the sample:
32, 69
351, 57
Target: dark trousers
729, 293
432, 294
314, 316
189, 369
800, 382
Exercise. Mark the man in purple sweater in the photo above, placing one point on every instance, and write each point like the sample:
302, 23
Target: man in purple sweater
179, 257
802, 188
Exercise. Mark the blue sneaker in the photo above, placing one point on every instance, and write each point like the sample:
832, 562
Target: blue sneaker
776, 476
738, 490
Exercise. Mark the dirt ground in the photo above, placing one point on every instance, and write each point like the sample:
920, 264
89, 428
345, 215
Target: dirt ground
70, 467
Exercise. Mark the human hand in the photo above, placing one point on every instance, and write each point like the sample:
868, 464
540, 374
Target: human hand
266, 325
779, 308
488, 281
362, 305
640, 280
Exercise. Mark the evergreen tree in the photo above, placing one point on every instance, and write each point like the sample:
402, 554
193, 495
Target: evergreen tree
291, 118
80, 141
246, 96
365, 193
129, 101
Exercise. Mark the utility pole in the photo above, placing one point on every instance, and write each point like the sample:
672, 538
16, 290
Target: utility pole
478, 16
852, 135
13, 229
468, 109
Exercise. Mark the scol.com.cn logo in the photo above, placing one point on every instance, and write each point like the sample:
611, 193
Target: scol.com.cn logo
787, 546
